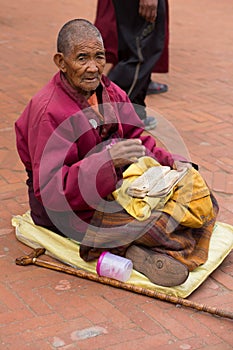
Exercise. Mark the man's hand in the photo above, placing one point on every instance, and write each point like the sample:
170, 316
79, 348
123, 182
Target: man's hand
148, 9
126, 152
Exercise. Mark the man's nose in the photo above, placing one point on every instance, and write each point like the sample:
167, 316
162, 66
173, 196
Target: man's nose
92, 66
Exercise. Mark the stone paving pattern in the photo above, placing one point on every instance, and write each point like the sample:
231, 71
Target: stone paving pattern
41, 309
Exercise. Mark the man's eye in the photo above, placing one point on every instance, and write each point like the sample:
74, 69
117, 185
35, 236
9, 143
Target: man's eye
100, 57
81, 58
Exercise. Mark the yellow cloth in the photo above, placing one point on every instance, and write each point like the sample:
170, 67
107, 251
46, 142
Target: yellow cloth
67, 251
139, 208
189, 203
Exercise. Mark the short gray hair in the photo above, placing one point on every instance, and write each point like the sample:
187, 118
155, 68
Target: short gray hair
73, 31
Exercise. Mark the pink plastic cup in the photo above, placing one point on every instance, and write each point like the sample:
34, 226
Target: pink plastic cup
114, 266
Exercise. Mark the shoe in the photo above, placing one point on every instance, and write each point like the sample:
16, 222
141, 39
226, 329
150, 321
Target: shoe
156, 88
149, 123
160, 269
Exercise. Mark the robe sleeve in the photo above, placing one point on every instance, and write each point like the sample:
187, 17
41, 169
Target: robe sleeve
61, 180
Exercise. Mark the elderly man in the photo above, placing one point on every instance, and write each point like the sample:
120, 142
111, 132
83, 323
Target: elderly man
76, 137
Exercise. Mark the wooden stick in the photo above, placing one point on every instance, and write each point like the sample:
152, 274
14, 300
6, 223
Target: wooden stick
32, 259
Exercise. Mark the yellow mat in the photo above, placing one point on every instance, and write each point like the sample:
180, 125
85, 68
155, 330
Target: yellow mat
67, 251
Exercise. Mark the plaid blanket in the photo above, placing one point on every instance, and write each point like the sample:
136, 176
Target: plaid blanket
115, 230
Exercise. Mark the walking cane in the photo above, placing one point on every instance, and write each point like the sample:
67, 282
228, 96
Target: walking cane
33, 259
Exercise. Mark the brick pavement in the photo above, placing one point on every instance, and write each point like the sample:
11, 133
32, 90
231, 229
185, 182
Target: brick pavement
41, 309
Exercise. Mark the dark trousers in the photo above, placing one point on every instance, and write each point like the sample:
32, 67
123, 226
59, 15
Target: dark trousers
140, 45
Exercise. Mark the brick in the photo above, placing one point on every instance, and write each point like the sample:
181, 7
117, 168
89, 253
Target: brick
222, 346
229, 184
180, 331
182, 315
11, 301
207, 175
203, 116
29, 325
137, 316
219, 181
212, 288
153, 342
10, 176
109, 311
13, 316
8, 191
224, 279
111, 338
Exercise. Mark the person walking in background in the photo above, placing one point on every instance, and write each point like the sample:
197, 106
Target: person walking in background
135, 35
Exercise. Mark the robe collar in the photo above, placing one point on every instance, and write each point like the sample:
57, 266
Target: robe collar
108, 124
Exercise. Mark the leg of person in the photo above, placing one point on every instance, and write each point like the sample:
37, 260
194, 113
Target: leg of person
159, 247
140, 108
162, 65
105, 18
168, 251
155, 88
121, 234
160, 269
149, 253
140, 45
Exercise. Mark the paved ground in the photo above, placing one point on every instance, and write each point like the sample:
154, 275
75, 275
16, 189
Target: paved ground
40, 309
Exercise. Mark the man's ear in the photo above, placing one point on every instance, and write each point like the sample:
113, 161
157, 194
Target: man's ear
58, 59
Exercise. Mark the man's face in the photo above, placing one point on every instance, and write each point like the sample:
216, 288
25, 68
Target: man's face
84, 66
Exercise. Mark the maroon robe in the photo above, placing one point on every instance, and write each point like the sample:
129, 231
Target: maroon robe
69, 166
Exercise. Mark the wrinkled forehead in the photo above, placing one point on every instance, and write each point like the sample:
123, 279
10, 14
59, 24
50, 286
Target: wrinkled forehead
88, 45
86, 39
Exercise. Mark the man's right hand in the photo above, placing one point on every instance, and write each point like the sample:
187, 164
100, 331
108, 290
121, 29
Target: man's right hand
148, 9
126, 152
